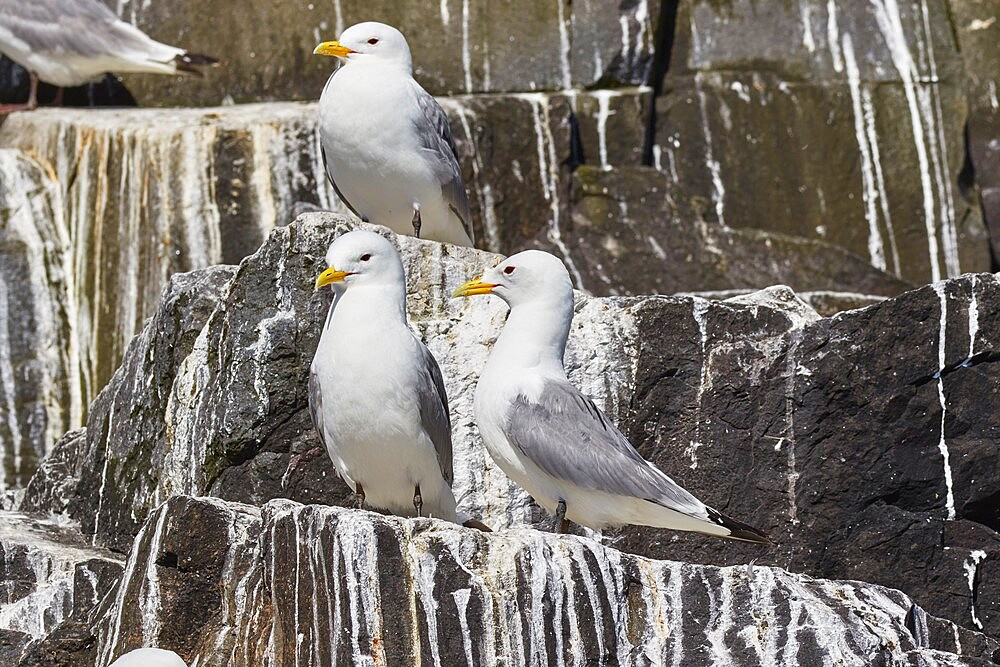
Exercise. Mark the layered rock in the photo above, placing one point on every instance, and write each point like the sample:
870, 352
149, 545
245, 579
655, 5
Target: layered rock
51, 581
468, 46
40, 391
825, 432
228, 584
631, 230
977, 29
834, 121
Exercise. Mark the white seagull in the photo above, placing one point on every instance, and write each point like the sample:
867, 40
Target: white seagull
71, 42
149, 657
550, 438
386, 142
376, 393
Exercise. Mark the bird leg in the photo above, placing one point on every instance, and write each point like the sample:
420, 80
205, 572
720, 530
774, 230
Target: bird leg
359, 496
418, 500
416, 222
562, 523
32, 102
57, 101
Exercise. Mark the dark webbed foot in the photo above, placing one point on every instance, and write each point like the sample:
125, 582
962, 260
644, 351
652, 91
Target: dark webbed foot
562, 523
416, 222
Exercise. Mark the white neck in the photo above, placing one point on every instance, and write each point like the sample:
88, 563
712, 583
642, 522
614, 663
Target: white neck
374, 65
368, 307
534, 338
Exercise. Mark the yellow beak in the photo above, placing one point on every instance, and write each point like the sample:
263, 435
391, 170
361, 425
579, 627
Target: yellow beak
474, 287
331, 275
335, 49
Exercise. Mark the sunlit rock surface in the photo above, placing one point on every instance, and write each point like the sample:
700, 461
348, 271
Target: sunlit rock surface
49, 577
228, 584
40, 392
825, 432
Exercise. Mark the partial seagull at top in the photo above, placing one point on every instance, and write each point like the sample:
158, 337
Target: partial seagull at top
550, 438
72, 42
376, 393
149, 657
386, 142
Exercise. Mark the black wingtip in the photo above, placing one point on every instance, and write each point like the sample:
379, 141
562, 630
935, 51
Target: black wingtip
739, 530
191, 63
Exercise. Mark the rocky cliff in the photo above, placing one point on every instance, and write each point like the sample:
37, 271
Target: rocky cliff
861, 442
772, 166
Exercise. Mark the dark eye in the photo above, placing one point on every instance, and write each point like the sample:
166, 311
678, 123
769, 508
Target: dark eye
365, 257
373, 41
508, 270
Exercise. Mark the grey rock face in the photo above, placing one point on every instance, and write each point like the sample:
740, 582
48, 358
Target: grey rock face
227, 584
122, 447
468, 46
631, 230
794, 115
49, 576
826, 432
39, 391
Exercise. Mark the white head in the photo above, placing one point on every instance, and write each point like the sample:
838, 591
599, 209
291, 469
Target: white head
362, 258
529, 277
370, 42
149, 657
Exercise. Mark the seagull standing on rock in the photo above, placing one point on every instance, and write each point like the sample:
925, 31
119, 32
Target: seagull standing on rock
550, 438
149, 657
71, 42
386, 142
376, 393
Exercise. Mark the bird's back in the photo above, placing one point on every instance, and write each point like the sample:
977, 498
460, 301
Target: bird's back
387, 145
69, 42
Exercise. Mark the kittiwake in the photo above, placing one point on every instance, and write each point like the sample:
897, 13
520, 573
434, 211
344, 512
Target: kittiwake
387, 143
149, 657
71, 42
376, 393
550, 438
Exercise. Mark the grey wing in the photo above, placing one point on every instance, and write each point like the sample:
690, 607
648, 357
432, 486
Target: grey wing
434, 411
80, 27
568, 437
316, 406
435, 136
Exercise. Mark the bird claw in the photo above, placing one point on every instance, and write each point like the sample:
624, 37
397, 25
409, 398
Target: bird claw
562, 523
416, 222
418, 500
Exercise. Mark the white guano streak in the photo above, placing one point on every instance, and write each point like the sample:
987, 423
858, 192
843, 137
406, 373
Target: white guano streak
928, 140
718, 188
564, 46
548, 171
939, 288
603, 111
971, 570
807, 35
699, 311
869, 193
466, 54
833, 36
973, 321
